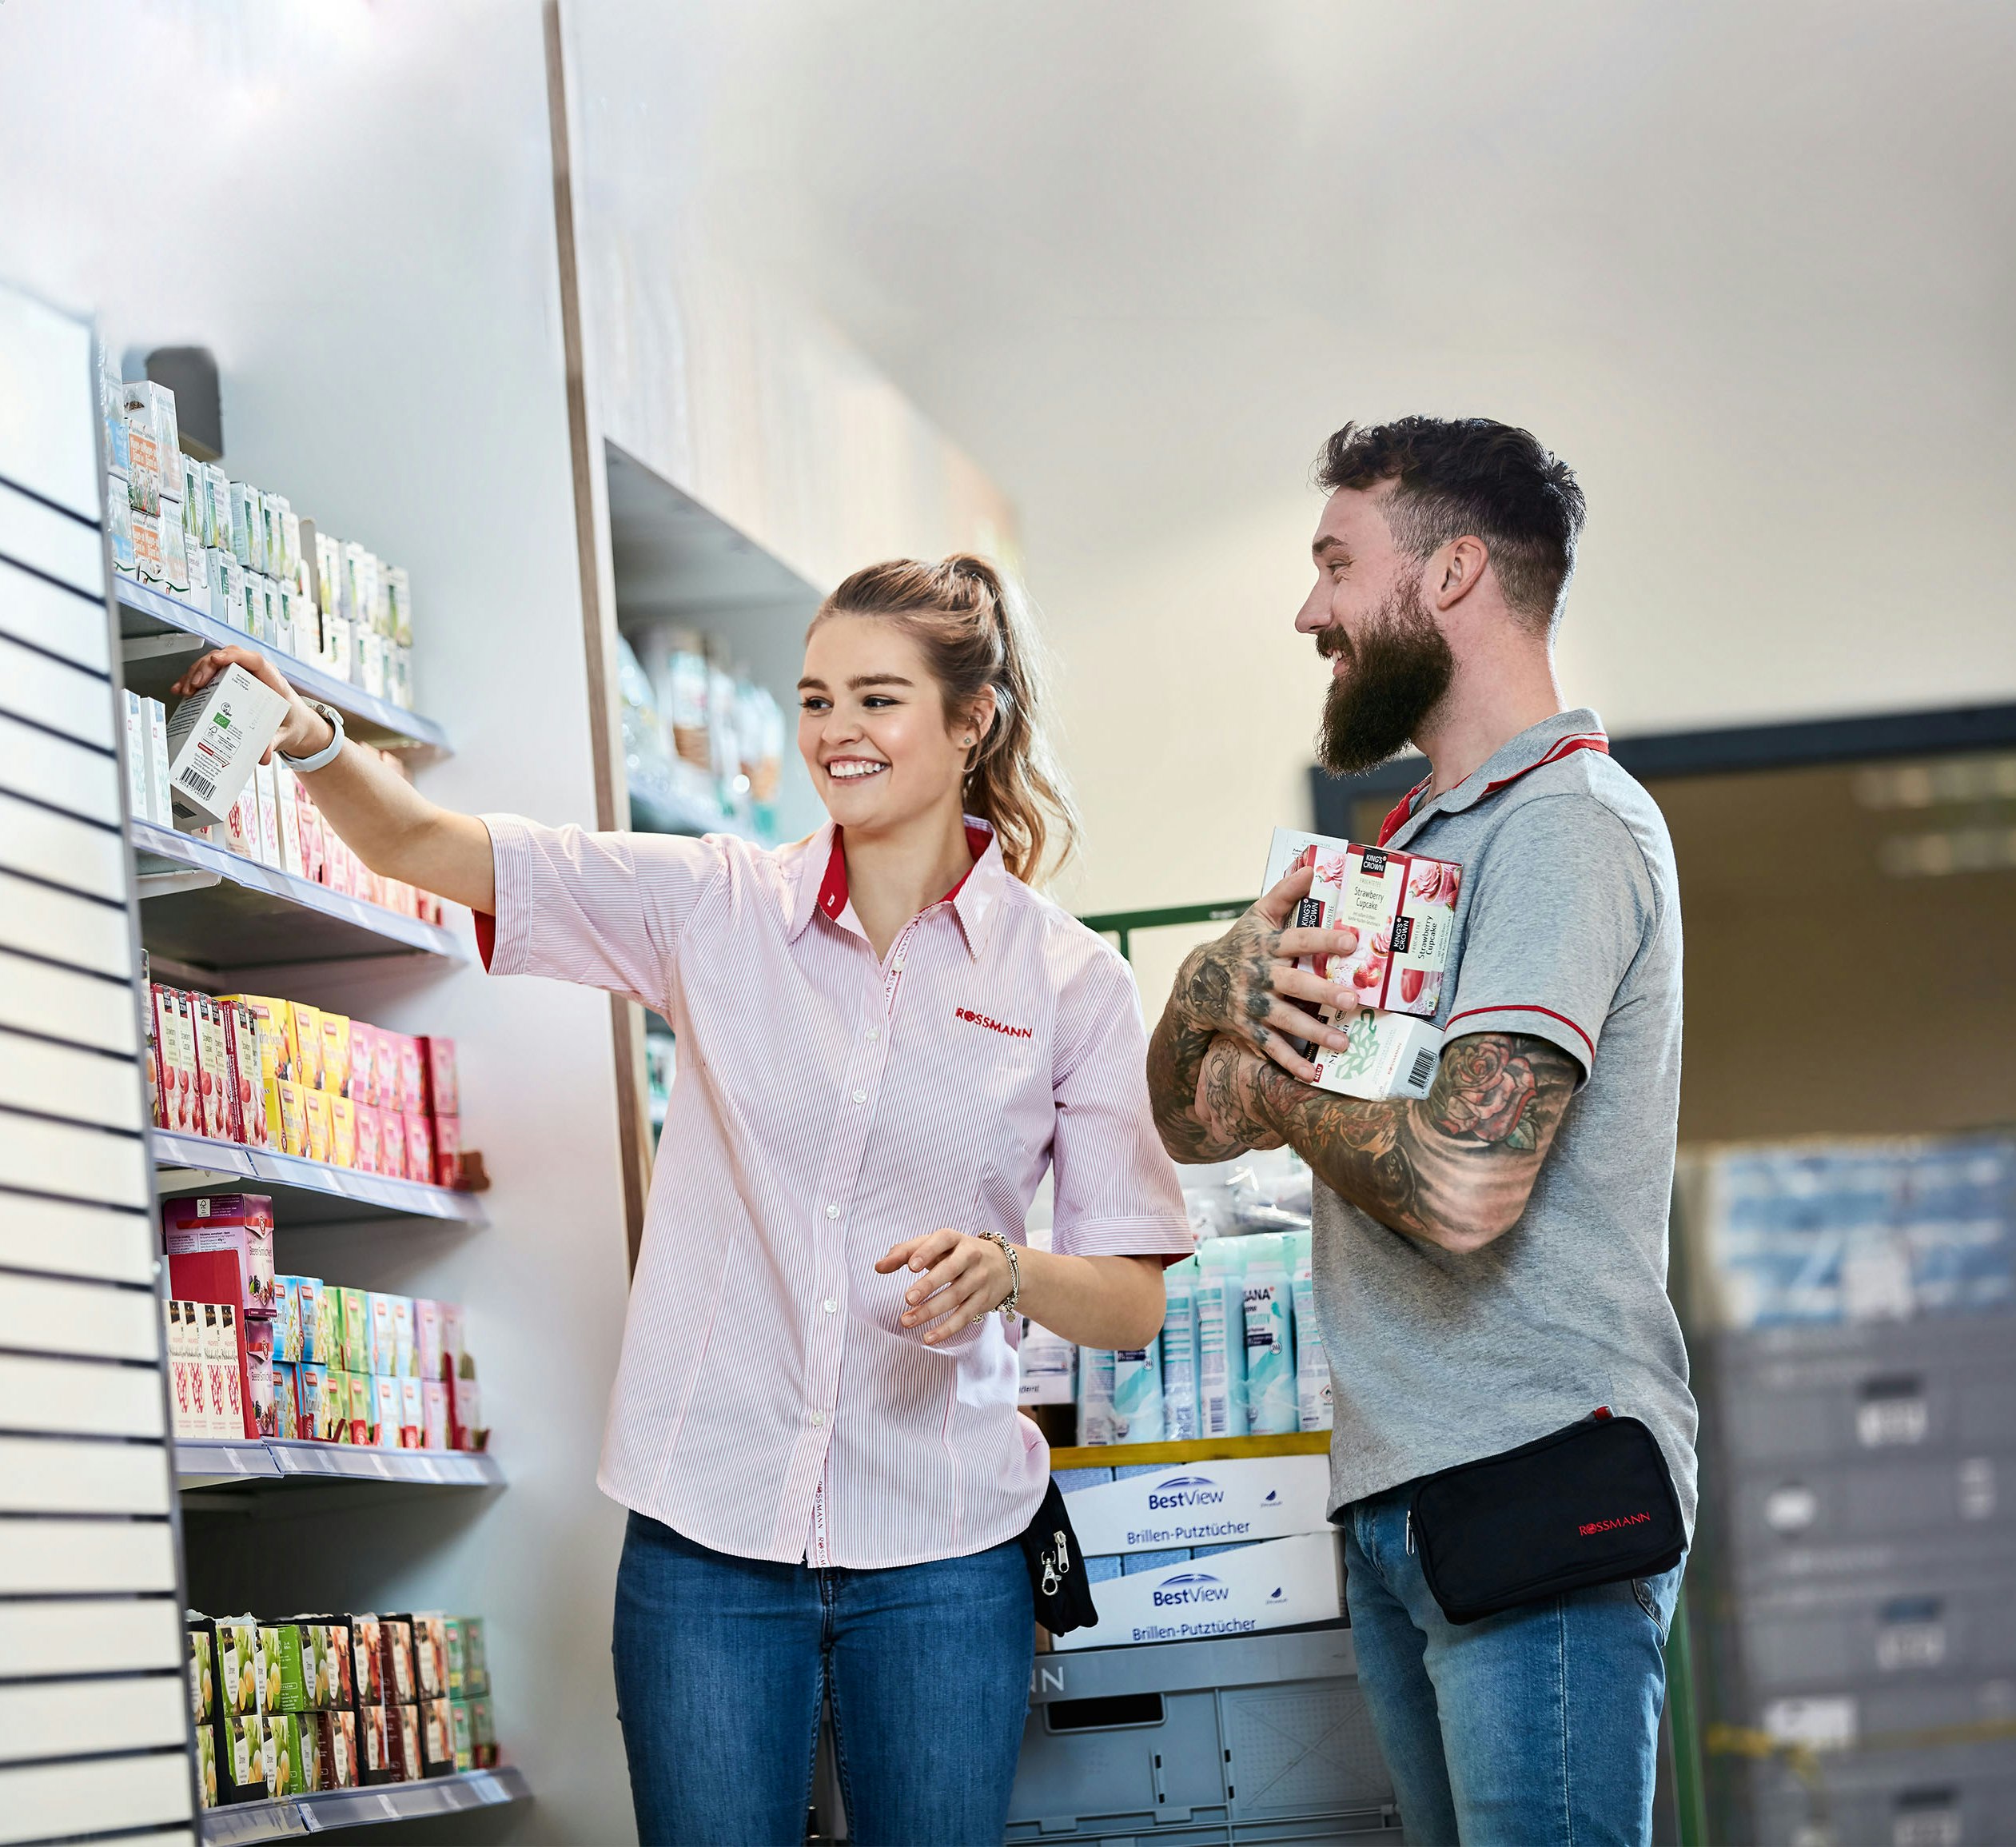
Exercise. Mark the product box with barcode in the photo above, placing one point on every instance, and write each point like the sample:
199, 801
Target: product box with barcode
215, 737
1274, 1585
1402, 905
1390, 1054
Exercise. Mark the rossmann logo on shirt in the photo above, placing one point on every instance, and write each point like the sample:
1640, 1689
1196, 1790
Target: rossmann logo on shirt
973, 1019
1181, 1491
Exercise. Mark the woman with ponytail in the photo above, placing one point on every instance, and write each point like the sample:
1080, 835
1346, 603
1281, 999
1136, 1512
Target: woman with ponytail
886, 1038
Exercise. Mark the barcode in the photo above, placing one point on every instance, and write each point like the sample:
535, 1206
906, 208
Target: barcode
1424, 1069
203, 786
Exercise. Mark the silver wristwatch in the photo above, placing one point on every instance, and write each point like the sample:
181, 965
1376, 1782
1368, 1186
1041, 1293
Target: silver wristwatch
1008, 1308
327, 754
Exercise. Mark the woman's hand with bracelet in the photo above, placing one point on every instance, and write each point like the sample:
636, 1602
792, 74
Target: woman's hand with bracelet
961, 1279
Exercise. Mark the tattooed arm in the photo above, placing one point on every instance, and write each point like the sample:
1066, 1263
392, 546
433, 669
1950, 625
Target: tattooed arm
1454, 1170
1243, 985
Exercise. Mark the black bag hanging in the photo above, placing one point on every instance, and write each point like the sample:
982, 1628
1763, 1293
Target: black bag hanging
1057, 1577
1591, 1504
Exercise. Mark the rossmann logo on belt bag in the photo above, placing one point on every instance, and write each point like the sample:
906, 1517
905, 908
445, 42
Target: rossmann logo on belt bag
1594, 1526
973, 1019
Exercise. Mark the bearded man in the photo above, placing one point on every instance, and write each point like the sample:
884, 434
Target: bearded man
1490, 1262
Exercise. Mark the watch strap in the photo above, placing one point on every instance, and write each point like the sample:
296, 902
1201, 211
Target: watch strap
328, 754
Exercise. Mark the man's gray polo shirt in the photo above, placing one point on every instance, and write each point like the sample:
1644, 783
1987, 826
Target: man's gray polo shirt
1567, 927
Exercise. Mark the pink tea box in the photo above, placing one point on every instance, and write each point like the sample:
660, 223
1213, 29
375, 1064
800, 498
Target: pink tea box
1402, 905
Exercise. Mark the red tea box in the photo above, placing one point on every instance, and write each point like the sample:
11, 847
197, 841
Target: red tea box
437, 1069
448, 1151
426, 1337
180, 1082
420, 1148
465, 1412
236, 1228
241, 1031
217, 1076
453, 1341
261, 1394
1402, 905
364, 1064
385, 1047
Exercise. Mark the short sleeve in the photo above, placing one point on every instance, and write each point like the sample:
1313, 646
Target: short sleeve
1561, 904
604, 910
1116, 1190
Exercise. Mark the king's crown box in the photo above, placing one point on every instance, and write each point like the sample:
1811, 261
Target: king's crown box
1402, 905
1273, 1585
1225, 1503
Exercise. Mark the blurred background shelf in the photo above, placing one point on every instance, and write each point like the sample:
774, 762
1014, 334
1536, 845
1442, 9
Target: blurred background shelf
296, 1815
211, 908
306, 1192
160, 635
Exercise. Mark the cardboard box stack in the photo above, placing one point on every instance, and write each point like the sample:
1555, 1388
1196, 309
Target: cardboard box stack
326, 1702
243, 557
1192, 1550
270, 1073
219, 1251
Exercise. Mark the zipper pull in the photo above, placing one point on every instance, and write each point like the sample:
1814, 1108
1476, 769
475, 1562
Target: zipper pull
1410, 1532
1600, 1415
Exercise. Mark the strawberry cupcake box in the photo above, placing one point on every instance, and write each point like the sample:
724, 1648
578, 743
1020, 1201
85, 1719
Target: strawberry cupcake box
1402, 905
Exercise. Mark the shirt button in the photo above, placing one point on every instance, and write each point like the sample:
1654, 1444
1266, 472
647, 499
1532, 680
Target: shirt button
819, 1417
898, 962
861, 1096
830, 1305
875, 1032
833, 1211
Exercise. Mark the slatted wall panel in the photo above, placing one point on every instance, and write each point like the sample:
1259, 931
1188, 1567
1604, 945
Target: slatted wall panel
93, 1695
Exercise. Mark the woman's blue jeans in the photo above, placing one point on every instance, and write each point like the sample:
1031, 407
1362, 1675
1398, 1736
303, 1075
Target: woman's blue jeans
722, 1664
1536, 1728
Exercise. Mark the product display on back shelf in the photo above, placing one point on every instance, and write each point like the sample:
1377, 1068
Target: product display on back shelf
253, 1354
323, 1702
243, 557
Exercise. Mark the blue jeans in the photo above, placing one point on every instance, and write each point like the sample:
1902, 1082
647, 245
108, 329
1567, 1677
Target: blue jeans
722, 1663
1531, 1728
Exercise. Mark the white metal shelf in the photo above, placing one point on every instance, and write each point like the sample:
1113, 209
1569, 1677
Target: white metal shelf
220, 1461
216, 909
315, 1192
146, 614
245, 1822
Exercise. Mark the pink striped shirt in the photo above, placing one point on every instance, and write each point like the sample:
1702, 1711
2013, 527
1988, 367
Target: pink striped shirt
769, 1402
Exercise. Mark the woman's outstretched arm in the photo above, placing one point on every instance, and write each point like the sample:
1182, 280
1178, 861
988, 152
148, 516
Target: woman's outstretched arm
381, 817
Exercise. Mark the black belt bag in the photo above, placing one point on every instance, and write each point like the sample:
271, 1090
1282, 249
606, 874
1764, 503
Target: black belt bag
1591, 1504
1057, 1578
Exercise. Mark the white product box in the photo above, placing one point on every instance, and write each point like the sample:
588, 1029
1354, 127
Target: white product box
214, 739
1390, 1054
1402, 905
1049, 1368
161, 805
267, 797
132, 711
1273, 1585
1225, 1503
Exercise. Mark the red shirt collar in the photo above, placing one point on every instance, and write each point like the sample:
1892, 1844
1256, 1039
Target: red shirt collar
833, 888
1403, 811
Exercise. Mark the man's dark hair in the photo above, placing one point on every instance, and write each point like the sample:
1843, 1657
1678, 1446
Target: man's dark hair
1468, 475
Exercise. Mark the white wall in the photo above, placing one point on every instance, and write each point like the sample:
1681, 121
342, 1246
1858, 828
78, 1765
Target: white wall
352, 205
1747, 268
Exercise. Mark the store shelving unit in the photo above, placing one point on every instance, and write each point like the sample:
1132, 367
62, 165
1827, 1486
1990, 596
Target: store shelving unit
158, 634
306, 1192
208, 906
226, 1462
245, 1822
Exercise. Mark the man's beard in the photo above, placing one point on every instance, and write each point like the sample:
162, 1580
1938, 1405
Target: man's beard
1400, 668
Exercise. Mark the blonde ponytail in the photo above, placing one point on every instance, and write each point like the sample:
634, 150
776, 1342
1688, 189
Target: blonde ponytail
976, 633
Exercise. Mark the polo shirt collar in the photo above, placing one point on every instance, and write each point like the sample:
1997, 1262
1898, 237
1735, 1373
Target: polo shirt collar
822, 884
1553, 738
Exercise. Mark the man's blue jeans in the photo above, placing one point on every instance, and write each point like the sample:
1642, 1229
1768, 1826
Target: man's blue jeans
722, 1664
1531, 1728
